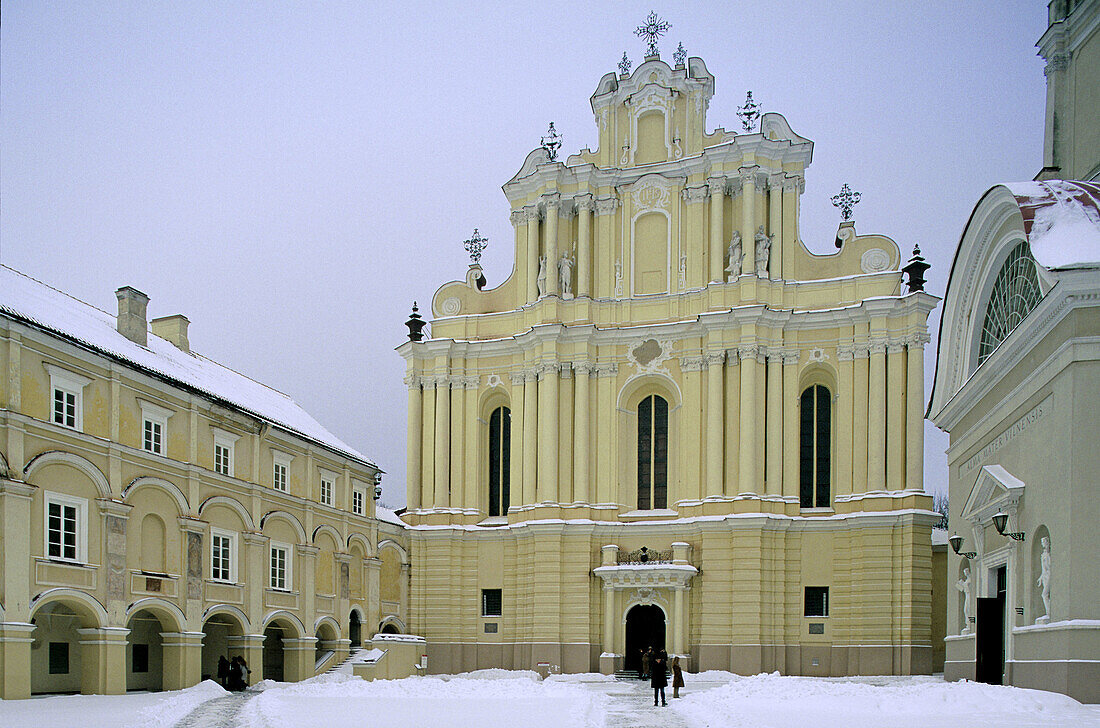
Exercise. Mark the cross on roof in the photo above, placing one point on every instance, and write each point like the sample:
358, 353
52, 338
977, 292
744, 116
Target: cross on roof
649, 31
846, 200
475, 245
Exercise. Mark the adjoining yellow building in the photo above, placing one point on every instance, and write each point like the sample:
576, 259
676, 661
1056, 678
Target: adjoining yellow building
158, 511
673, 424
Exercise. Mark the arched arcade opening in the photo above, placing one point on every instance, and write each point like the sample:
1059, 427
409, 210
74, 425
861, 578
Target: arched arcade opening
645, 628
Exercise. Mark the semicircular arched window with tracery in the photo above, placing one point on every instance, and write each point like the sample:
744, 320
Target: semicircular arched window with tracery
1015, 293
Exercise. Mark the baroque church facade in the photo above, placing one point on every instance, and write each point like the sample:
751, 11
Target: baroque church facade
673, 424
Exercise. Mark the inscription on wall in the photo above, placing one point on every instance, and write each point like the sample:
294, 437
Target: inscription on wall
1037, 413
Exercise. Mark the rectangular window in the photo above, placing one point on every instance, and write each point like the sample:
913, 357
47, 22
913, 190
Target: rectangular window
59, 658
281, 469
64, 410
326, 491
223, 452
358, 499
491, 603
66, 520
817, 601
280, 569
280, 477
222, 552
67, 402
153, 437
139, 658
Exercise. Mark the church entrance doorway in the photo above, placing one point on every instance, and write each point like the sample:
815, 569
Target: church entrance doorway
990, 638
355, 630
645, 628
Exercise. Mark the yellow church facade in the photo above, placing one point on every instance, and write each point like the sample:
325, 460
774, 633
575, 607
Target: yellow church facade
673, 424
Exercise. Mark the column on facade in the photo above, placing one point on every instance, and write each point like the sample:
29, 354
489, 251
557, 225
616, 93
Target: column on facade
255, 564
749, 470
530, 436
547, 486
715, 467
895, 416
181, 659
678, 602
914, 413
532, 213
690, 422
603, 285
790, 425
792, 186
861, 365
773, 477
584, 245
442, 442
748, 219
518, 218
427, 446
103, 660
413, 451
307, 562
15, 632
471, 479
251, 648
733, 423
457, 439
845, 416
607, 437
517, 439
775, 226
717, 188
876, 417
553, 203
581, 439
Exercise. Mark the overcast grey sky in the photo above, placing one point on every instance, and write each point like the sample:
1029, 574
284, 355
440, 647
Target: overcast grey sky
290, 176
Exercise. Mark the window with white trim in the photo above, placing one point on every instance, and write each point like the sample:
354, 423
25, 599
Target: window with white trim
281, 470
327, 489
154, 427
223, 555
66, 528
358, 501
224, 443
281, 567
67, 397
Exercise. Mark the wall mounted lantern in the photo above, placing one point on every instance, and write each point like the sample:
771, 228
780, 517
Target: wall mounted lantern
1000, 520
956, 542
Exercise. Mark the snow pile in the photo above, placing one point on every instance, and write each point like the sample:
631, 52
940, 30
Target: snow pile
473, 700
773, 701
1065, 231
139, 710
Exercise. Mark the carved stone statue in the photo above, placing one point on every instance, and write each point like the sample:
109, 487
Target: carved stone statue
963, 585
541, 280
565, 275
1043, 582
763, 248
735, 256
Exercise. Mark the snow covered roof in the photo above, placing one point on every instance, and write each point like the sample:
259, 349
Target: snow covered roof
1061, 221
388, 516
26, 299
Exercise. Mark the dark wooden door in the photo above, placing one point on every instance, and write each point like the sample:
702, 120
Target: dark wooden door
645, 627
990, 638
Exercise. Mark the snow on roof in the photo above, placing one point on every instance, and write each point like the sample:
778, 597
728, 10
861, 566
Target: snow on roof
387, 515
32, 301
1061, 220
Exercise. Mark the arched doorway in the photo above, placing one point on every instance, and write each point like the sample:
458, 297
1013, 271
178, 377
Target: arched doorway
56, 650
355, 629
273, 653
389, 628
219, 635
144, 652
645, 627
327, 637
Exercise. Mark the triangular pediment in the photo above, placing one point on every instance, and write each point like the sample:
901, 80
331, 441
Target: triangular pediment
994, 489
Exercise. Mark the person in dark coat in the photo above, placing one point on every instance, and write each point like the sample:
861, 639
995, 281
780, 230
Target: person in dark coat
238, 674
647, 656
677, 677
658, 676
223, 672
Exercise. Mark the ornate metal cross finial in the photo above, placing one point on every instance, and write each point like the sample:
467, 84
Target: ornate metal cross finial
475, 245
680, 55
552, 142
749, 113
624, 65
846, 200
649, 31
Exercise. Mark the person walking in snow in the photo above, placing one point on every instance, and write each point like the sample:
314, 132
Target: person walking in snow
677, 677
658, 678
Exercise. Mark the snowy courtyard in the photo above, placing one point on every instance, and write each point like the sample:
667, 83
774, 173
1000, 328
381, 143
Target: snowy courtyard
500, 697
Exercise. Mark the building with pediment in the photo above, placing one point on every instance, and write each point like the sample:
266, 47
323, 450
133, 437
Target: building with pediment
673, 424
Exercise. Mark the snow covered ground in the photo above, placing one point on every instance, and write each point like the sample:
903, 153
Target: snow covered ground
503, 697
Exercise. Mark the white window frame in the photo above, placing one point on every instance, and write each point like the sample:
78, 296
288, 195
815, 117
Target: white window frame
280, 460
359, 500
227, 441
81, 505
157, 415
232, 536
288, 571
69, 383
328, 478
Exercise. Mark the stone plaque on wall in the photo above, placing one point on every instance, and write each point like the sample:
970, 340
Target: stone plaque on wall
345, 577
817, 628
194, 565
116, 557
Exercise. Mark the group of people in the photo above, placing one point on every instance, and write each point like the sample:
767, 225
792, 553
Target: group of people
233, 675
655, 668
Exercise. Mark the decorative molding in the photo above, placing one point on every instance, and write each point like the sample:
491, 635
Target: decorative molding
694, 195
472, 381
714, 358
651, 193
648, 354
692, 363
583, 368
749, 352
717, 186
608, 369
494, 380
845, 352
1057, 62
791, 356
450, 306
546, 367
606, 205
585, 202
895, 346
794, 183
517, 378
817, 355
550, 200
518, 217
874, 260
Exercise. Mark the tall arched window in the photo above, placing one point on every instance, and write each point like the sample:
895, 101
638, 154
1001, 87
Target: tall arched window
815, 447
652, 453
1015, 292
500, 441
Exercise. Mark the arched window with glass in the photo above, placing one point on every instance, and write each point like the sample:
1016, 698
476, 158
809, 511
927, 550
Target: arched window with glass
500, 441
1015, 293
652, 453
815, 447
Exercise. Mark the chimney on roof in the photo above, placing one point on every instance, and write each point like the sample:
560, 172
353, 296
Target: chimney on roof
174, 329
132, 305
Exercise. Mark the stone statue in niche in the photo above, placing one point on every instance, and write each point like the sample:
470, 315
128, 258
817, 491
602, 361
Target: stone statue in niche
735, 256
565, 275
1043, 582
963, 585
541, 280
763, 248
